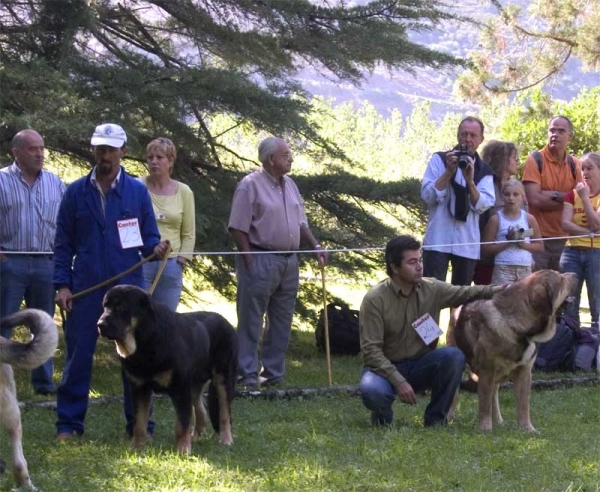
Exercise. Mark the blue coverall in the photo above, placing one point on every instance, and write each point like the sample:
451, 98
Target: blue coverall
88, 251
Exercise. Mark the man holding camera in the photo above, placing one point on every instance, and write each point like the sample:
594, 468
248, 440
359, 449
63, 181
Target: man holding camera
457, 188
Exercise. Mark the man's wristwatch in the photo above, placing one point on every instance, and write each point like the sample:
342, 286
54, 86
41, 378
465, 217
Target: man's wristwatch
555, 196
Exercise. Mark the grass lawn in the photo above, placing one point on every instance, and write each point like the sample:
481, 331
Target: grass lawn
321, 443
327, 444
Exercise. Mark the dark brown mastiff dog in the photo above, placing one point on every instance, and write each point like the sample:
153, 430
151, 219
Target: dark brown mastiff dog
499, 338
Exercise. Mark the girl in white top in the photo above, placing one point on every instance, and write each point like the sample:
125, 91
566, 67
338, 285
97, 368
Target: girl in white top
512, 258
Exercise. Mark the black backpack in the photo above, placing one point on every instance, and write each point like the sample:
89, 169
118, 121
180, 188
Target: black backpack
558, 353
344, 335
587, 341
538, 160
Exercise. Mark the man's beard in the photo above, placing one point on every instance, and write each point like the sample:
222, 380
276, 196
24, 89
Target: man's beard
104, 168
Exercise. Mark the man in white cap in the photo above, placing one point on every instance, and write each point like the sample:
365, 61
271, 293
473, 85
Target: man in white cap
105, 222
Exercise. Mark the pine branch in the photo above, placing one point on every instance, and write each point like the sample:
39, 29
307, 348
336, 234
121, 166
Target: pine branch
536, 82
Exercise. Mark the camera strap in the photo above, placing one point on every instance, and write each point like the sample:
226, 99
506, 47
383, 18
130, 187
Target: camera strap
461, 193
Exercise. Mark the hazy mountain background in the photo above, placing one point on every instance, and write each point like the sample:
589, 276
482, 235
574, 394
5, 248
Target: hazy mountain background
402, 90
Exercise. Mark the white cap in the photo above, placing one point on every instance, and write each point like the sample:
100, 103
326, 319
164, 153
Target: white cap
109, 134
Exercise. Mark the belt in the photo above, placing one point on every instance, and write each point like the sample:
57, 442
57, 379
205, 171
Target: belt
26, 255
260, 248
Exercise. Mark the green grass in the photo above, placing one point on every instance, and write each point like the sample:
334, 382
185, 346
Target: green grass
327, 444
321, 443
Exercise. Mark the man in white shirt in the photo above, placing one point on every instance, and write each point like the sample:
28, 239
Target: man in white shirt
457, 188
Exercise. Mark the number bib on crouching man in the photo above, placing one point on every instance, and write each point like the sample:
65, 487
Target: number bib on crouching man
427, 328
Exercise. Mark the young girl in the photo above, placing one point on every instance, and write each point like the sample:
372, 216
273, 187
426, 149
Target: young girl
512, 259
580, 217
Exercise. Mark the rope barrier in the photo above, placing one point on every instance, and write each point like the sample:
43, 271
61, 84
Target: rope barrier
333, 250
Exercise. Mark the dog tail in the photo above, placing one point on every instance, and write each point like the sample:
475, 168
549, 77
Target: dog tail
39, 349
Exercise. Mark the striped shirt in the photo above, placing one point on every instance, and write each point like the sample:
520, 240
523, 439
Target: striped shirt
28, 214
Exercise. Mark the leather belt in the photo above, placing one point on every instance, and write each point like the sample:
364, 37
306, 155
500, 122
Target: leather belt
260, 248
26, 255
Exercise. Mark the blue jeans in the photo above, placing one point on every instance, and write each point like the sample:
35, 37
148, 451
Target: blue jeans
439, 370
435, 264
585, 263
168, 289
29, 278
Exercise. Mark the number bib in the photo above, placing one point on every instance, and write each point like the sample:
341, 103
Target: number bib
427, 328
129, 233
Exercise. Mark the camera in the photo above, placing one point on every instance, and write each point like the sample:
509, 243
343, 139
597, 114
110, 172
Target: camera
463, 156
521, 234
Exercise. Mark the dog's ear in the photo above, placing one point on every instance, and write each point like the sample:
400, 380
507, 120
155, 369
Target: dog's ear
146, 305
542, 295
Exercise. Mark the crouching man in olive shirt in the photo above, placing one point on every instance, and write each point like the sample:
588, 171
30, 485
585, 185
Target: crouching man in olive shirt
398, 333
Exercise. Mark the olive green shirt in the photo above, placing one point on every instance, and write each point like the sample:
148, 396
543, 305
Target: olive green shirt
386, 317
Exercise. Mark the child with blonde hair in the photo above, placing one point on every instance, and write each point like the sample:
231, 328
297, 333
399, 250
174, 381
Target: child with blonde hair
513, 259
580, 217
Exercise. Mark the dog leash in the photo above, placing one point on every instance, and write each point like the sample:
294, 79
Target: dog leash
121, 275
163, 264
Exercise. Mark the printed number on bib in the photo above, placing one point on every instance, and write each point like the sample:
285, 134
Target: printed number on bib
129, 233
427, 328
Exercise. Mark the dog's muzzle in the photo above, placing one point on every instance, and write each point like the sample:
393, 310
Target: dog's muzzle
104, 329
568, 303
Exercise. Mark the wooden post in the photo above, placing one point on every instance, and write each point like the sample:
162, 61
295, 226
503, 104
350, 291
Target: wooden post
327, 350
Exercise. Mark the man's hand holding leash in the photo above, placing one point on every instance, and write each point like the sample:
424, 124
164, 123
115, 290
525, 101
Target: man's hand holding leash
63, 298
160, 249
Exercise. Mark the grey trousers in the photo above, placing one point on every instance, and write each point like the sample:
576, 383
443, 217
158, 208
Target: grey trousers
269, 288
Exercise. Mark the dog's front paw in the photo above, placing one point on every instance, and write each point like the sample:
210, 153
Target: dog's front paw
184, 443
225, 438
529, 428
485, 426
138, 442
199, 431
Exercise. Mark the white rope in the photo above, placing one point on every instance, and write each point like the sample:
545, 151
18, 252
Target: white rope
333, 250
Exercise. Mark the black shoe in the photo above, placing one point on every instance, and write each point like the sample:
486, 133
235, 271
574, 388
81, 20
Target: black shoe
270, 383
45, 392
382, 420
250, 384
